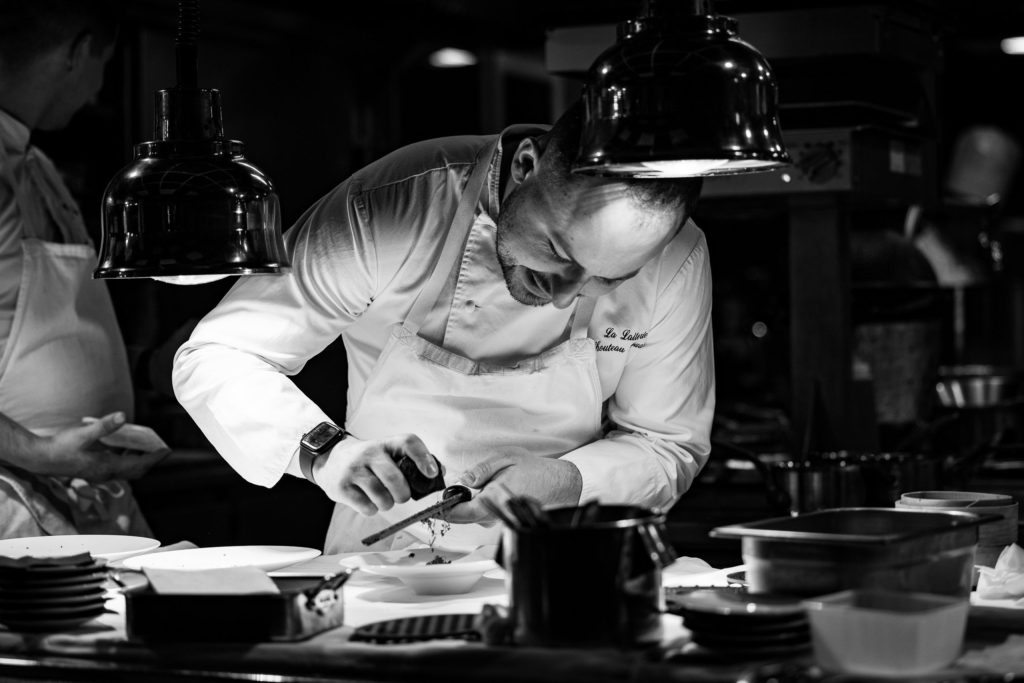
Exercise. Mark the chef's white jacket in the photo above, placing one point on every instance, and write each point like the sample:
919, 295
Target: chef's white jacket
360, 256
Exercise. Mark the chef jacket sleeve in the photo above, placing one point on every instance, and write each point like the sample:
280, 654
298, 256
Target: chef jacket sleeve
232, 374
663, 406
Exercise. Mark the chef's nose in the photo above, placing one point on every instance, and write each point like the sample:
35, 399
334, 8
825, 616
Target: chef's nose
565, 290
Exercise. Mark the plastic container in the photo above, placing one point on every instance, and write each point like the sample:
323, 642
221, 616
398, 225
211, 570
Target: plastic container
886, 633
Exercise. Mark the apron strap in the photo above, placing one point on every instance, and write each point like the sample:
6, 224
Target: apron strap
453, 247
580, 322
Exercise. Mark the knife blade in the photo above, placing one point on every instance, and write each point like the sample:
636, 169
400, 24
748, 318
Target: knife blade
452, 496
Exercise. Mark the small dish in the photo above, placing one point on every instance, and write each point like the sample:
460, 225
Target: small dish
886, 633
419, 568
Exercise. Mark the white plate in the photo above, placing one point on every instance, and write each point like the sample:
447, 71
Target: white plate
107, 547
410, 566
265, 557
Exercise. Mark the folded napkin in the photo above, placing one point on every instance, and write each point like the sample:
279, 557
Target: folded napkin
1006, 656
1006, 578
132, 437
226, 581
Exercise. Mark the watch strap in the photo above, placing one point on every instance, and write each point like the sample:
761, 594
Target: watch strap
308, 456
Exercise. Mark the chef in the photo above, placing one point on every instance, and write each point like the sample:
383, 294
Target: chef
62, 357
533, 329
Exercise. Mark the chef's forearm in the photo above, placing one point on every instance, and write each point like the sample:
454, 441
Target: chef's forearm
18, 446
630, 468
252, 414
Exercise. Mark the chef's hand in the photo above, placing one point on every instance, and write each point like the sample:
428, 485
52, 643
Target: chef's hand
364, 476
77, 452
550, 481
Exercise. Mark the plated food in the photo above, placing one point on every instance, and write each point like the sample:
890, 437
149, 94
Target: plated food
429, 571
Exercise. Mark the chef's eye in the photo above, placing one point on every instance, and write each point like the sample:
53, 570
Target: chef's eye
555, 255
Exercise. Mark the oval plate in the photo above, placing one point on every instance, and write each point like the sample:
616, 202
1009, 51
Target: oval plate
265, 557
104, 546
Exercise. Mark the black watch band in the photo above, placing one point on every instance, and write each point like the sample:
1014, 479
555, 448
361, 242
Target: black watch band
317, 442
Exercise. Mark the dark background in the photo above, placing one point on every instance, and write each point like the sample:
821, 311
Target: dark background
316, 90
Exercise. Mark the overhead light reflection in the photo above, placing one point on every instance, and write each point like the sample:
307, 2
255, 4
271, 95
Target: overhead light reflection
1013, 46
451, 58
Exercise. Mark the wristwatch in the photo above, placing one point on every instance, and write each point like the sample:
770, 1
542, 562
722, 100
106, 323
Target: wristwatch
316, 442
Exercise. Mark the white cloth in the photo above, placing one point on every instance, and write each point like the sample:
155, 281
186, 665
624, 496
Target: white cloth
63, 356
468, 411
361, 255
22, 204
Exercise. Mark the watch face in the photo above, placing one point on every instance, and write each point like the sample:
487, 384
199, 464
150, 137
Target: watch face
320, 436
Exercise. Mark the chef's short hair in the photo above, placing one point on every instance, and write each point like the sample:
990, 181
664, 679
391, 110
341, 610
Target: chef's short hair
28, 28
656, 193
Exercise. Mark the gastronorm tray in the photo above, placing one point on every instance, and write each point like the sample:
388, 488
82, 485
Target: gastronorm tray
854, 526
832, 550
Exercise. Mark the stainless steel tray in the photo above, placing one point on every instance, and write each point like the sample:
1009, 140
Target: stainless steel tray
854, 526
831, 550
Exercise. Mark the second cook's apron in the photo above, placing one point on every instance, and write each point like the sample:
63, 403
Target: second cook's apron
64, 360
467, 411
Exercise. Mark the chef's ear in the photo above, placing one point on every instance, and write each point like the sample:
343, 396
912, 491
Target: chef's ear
78, 50
524, 161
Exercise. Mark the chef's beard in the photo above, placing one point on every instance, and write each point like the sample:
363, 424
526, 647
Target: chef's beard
510, 268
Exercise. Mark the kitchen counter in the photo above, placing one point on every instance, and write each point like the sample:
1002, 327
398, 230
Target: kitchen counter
100, 650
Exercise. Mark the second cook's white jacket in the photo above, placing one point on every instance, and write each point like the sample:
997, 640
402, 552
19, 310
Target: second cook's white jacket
359, 257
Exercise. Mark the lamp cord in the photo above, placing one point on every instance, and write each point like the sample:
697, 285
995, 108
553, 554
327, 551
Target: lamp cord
697, 8
186, 44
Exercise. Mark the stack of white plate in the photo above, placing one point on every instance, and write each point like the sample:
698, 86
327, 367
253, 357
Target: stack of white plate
40, 594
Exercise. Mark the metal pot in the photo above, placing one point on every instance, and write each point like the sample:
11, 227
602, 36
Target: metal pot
796, 486
588, 584
977, 386
838, 479
885, 476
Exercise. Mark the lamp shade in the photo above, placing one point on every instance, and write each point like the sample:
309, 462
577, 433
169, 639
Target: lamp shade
190, 204
680, 95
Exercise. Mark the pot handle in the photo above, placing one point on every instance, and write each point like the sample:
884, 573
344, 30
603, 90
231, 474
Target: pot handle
653, 537
777, 497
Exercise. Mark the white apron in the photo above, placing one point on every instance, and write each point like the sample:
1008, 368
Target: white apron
64, 360
467, 411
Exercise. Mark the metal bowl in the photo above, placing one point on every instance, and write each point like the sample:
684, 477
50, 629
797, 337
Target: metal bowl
975, 386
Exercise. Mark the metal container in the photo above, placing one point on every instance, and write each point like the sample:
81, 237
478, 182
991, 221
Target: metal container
993, 537
833, 550
594, 584
885, 476
977, 386
812, 485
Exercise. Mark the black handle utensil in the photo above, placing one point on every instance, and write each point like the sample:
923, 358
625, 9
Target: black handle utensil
420, 484
452, 496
